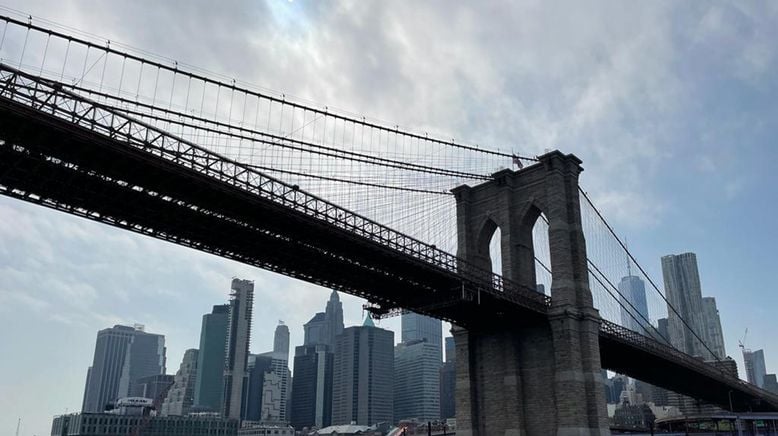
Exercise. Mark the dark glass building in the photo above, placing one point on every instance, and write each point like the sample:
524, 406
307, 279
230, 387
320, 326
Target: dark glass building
448, 381
258, 367
210, 364
312, 387
363, 373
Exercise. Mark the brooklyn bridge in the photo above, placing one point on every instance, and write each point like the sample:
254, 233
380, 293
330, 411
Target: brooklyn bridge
404, 220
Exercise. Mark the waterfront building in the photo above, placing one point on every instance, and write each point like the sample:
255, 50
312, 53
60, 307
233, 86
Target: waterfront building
113, 424
261, 429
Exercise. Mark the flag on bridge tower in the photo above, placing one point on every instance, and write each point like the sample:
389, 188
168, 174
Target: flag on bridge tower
517, 162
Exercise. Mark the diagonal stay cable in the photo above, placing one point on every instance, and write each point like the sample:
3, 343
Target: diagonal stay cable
656, 288
618, 300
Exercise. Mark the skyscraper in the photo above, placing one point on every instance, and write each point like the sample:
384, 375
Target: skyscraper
276, 386
448, 373
238, 337
180, 397
663, 330
312, 387
209, 387
315, 330
415, 326
417, 363
755, 367
333, 317
634, 308
275, 389
123, 355
684, 293
258, 367
325, 326
713, 334
363, 375
281, 341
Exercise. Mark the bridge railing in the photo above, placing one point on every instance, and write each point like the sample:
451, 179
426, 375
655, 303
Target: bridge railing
623, 334
52, 98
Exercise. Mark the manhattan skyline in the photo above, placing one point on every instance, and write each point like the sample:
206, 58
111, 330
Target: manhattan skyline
687, 187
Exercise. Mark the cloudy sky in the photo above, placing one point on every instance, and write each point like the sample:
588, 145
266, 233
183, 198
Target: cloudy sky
671, 106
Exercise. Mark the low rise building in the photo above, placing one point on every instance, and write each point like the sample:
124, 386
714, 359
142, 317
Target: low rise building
143, 424
260, 429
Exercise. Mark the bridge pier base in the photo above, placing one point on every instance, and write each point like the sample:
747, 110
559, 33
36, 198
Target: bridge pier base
540, 380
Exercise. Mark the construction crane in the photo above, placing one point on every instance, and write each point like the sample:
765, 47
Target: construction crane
742, 342
18, 424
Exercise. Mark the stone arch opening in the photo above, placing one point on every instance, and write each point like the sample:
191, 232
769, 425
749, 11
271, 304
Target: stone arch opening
495, 251
542, 254
490, 247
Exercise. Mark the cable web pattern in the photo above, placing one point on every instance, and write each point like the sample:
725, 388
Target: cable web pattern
396, 177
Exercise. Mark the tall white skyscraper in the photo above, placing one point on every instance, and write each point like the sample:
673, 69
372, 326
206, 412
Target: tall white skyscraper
238, 337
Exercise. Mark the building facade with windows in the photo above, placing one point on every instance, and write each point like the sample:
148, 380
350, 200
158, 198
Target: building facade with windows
108, 424
363, 373
237, 347
123, 355
209, 387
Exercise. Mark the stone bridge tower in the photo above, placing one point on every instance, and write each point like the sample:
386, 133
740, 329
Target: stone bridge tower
532, 379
